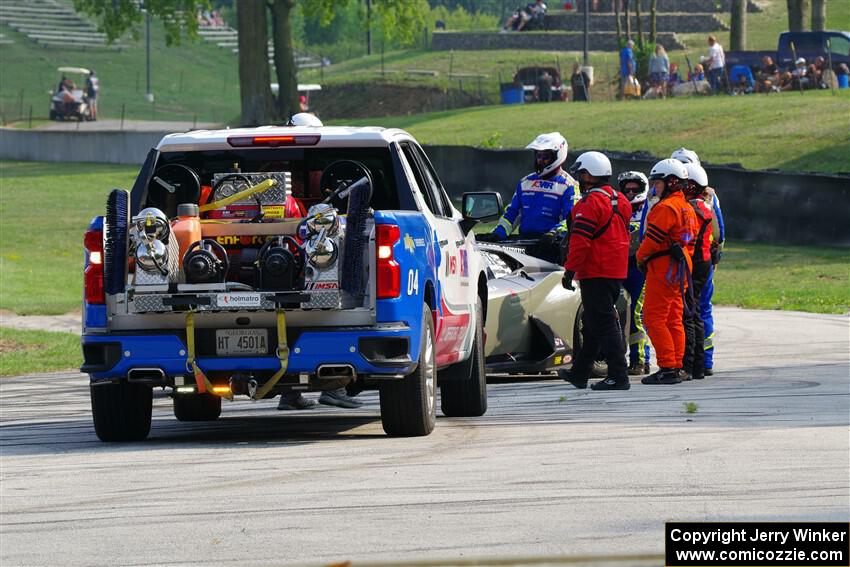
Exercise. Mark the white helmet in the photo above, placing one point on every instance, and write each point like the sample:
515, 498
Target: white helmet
640, 179
697, 174
594, 163
685, 155
305, 119
554, 142
667, 168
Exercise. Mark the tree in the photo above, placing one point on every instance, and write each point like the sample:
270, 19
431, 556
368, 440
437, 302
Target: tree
619, 25
653, 13
284, 59
628, 20
818, 15
639, 25
798, 15
254, 83
738, 28
115, 18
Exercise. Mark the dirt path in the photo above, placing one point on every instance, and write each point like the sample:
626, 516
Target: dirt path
67, 323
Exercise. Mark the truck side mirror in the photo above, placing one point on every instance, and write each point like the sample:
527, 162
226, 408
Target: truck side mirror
477, 206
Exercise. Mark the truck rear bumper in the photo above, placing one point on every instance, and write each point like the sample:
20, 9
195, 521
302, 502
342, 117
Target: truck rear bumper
378, 349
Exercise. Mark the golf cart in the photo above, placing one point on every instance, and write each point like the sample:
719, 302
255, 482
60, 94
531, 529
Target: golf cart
69, 100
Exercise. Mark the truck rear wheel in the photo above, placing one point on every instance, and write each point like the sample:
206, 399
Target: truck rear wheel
409, 406
466, 395
197, 407
121, 412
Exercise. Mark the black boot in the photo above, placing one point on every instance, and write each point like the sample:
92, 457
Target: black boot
709, 372
567, 375
663, 376
638, 369
684, 375
611, 384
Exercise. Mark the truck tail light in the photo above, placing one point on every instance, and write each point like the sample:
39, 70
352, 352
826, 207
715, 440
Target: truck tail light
389, 272
93, 276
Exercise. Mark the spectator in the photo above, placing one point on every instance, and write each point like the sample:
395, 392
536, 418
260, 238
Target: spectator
92, 89
61, 86
816, 70
673, 79
716, 63
580, 83
742, 80
798, 78
628, 66
697, 75
659, 71
302, 102
767, 78
533, 12
544, 87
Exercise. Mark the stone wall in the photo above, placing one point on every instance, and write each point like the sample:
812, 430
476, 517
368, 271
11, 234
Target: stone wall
685, 6
761, 206
539, 41
607, 22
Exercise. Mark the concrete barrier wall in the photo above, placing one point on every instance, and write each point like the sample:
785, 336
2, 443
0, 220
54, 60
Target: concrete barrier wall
773, 207
127, 147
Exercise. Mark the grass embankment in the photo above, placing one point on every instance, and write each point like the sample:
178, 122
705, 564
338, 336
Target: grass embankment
26, 352
45, 208
758, 131
192, 80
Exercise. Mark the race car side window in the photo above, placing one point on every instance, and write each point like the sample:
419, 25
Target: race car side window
433, 203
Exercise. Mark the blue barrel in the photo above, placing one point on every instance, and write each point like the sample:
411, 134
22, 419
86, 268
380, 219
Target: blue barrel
843, 81
512, 94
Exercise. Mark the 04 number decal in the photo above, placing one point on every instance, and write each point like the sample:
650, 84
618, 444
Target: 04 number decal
413, 282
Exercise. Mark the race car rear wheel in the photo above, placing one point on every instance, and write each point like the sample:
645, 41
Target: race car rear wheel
465, 394
409, 406
121, 412
197, 407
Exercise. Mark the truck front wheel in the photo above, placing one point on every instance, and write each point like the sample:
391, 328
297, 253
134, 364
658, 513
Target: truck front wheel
121, 412
409, 406
197, 407
464, 393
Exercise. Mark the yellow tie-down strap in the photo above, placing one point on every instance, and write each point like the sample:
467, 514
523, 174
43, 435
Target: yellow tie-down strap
204, 384
244, 194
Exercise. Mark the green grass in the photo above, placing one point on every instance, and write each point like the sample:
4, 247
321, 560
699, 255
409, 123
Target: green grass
796, 278
195, 79
690, 407
764, 27
45, 208
752, 130
25, 352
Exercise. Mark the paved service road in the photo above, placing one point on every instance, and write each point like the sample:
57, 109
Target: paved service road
549, 470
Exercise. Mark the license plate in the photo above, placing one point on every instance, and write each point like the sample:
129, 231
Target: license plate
230, 342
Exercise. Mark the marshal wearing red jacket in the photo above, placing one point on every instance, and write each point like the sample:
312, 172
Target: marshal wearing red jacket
599, 235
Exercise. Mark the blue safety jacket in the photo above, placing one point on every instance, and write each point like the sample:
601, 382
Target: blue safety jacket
539, 205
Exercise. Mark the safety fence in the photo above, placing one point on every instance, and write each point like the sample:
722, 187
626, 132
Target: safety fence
763, 206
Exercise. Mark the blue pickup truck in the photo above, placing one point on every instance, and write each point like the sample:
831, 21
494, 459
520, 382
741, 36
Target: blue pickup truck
253, 262
809, 45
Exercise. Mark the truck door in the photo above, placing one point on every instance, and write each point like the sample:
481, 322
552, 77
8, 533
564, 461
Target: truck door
453, 325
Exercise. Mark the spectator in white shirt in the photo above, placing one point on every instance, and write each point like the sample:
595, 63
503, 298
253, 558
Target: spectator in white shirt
716, 63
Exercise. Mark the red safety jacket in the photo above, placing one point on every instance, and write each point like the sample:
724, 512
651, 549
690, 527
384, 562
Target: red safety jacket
702, 242
599, 235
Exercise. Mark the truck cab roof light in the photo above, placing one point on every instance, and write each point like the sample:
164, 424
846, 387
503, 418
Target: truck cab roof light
274, 141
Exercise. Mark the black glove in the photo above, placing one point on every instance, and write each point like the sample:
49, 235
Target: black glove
487, 237
716, 254
677, 252
567, 280
641, 266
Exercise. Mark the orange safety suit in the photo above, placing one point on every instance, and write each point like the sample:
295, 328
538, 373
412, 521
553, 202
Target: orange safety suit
671, 221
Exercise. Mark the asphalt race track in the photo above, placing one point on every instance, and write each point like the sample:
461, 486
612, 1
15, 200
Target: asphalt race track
549, 471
